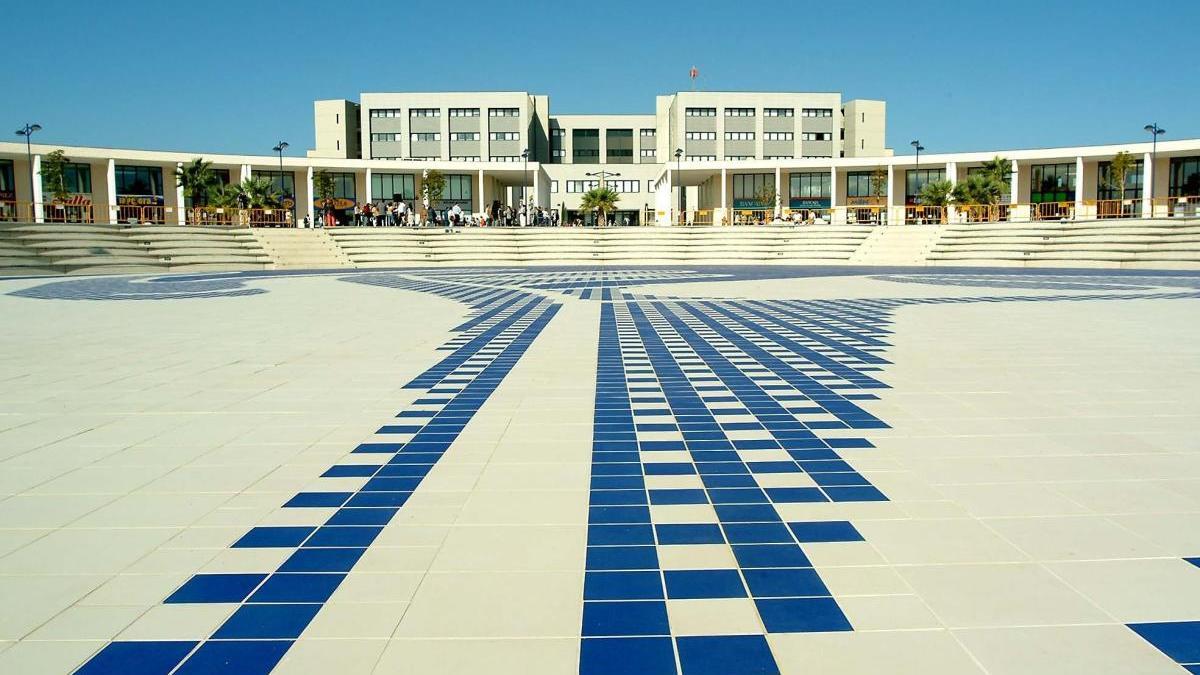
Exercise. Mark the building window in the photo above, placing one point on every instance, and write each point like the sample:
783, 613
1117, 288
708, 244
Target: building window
700, 112
504, 136
779, 112
433, 158
865, 186
819, 156
739, 135
558, 132
816, 112
700, 158
577, 186
284, 182
140, 181
648, 133
385, 112
77, 180
425, 112
464, 112
425, 136
739, 158
553, 186
739, 112
505, 158
748, 186
915, 179
816, 136
391, 186
464, 158
1185, 177
777, 136
649, 153
464, 135
1052, 183
504, 112
623, 186
779, 157
700, 135
383, 138
809, 190
558, 152
458, 191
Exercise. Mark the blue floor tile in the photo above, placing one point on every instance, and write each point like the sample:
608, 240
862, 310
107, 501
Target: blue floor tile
242, 657
322, 560
637, 655
802, 615
699, 533
678, 497
137, 658
630, 535
757, 533
726, 655
318, 500
274, 537
1179, 640
343, 537
622, 558
216, 588
796, 495
825, 531
695, 584
784, 582
297, 588
622, 586
770, 555
267, 622
642, 617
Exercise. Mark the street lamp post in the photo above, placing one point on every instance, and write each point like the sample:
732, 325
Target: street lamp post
679, 176
918, 147
603, 181
524, 183
279, 148
1155, 131
27, 132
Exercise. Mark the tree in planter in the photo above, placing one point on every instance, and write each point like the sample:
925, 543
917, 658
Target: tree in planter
433, 186
196, 178
936, 193
323, 185
767, 198
1118, 170
54, 175
258, 192
601, 200
978, 194
878, 183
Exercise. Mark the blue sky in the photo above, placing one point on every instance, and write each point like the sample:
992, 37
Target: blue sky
237, 77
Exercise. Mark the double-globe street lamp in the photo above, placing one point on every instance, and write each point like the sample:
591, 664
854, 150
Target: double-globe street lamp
1155, 131
27, 131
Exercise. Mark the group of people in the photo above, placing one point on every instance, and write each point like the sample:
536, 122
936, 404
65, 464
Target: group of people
399, 213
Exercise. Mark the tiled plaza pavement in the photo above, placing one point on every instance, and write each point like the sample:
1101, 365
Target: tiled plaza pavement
716, 471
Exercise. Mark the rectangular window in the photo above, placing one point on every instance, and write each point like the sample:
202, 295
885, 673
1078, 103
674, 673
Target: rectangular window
380, 138
385, 112
558, 152
1052, 183
139, 181
648, 133
866, 186
553, 186
1185, 177
464, 158
777, 136
578, 186
700, 135
747, 188
504, 112
739, 158
779, 157
504, 136
915, 179
623, 186
77, 179
816, 112
779, 112
701, 158
458, 191
425, 112
426, 159
464, 112
649, 152
816, 136
8, 188
393, 186
810, 186
464, 135
426, 136
739, 112
700, 112
739, 135
505, 158
284, 183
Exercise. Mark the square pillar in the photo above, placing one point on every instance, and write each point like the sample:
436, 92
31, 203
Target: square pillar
1016, 210
180, 199
1079, 183
368, 188
110, 180
834, 216
724, 192
39, 212
778, 190
481, 198
952, 176
1148, 185
890, 197
309, 200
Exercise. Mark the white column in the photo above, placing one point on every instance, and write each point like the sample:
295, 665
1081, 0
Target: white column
1015, 212
368, 186
891, 197
1078, 188
952, 176
833, 200
1147, 186
309, 210
778, 190
724, 189
39, 212
179, 199
479, 199
111, 182
537, 195
245, 172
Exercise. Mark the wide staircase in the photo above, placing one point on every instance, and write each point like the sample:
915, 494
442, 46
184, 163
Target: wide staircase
67, 248
292, 248
1100, 243
896, 245
384, 247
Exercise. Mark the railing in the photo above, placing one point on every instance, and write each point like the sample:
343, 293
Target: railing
983, 213
924, 215
1114, 208
753, 216
137, 215
50, 212
235, 217
696, 217
808, 216
866, 214
1052, 211
1177, 207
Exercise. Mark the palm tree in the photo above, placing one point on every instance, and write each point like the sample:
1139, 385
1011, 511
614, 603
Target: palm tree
223, 196
978, 194
998, 168
196, 178
259, 192
602, 200
936, 193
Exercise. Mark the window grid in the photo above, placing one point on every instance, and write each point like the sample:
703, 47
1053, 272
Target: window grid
700, 135
739, 135
739, 112
504, 112
464, 112
700, 112
816, 112
779, 112
424, 112
504, 136
425, 136
385, 112
778, 136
